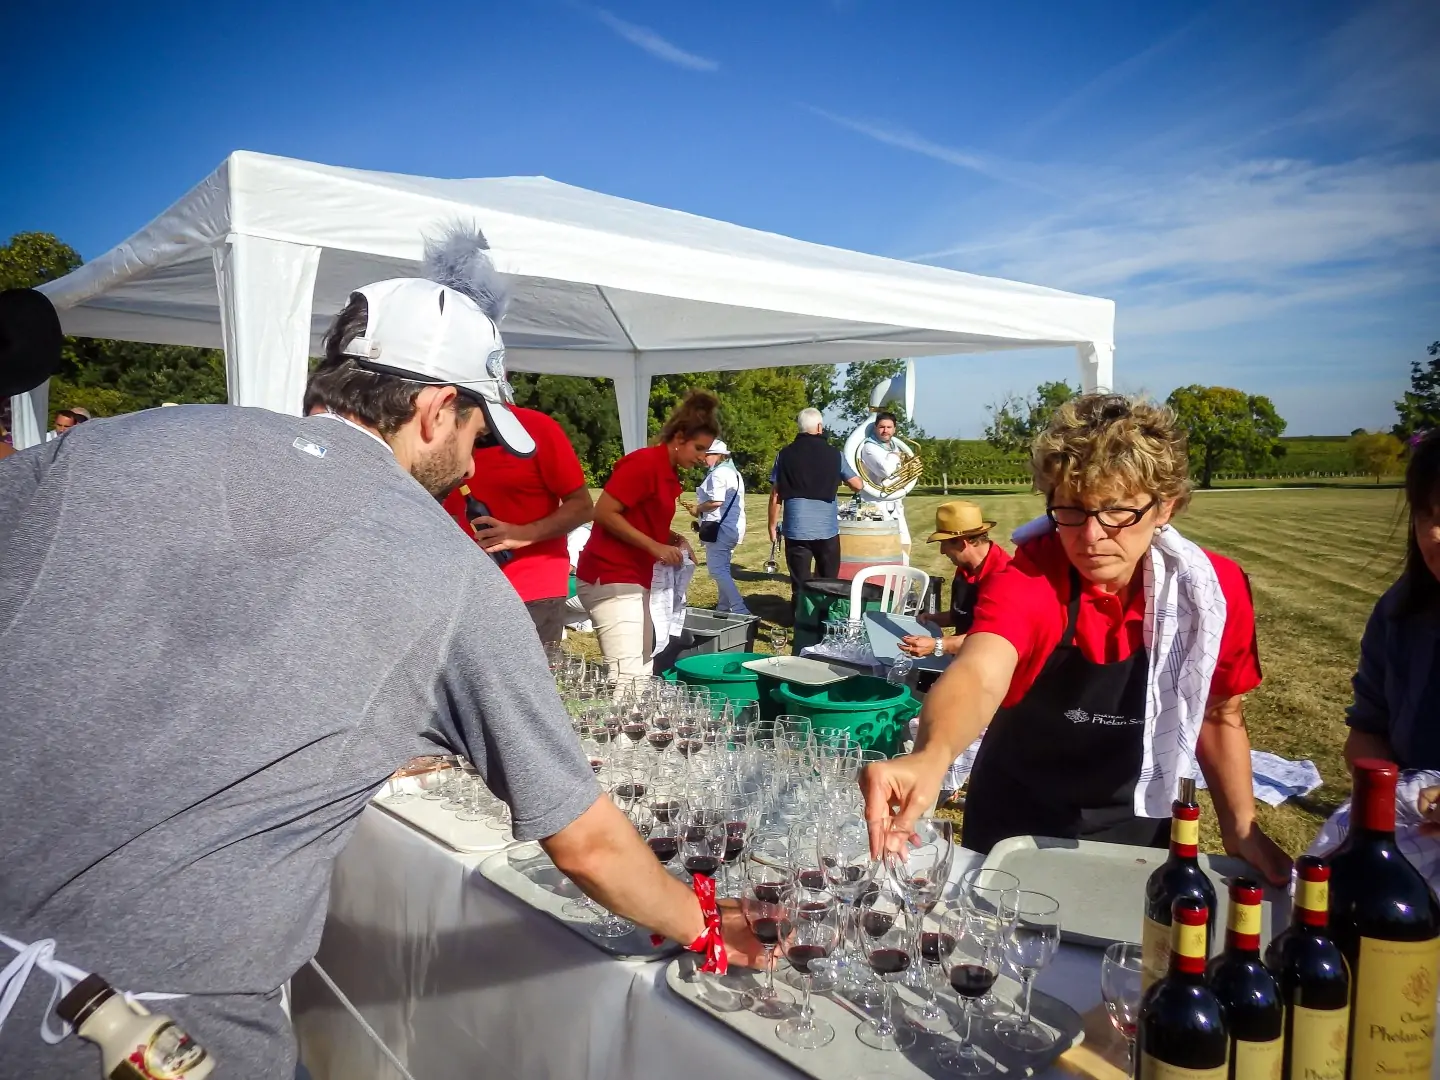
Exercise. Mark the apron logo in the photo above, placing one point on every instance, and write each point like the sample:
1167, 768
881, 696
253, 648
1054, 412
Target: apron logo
1080, 716
1077, 716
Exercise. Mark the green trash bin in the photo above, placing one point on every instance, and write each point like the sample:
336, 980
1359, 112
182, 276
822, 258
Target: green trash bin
721, 673
823, 599
874, 711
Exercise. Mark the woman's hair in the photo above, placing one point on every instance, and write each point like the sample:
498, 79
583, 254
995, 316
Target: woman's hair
1422, 495
696, 415
1111, 444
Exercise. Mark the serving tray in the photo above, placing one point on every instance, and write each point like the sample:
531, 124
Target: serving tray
801, 670
846, 1056
1101, 887
526, 872
467, 837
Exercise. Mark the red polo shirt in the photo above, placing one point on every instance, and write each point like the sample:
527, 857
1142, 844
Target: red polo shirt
1026, 605
996, 559
521, 490
646, 485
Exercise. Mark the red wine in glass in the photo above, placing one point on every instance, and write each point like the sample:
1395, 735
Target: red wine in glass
877, 923
802, 956
770, 892
596, 764
687, 747
812, 879
769, 932
630, 791
661, 739
813, 910
972, 980
734, 845
665, 810
889, 961
702, 864
936, 947
664, 847
634, 731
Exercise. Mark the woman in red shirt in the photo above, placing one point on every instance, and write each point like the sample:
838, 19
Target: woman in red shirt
1108, 661
633, 532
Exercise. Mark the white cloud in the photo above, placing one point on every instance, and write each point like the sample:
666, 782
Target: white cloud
644, 38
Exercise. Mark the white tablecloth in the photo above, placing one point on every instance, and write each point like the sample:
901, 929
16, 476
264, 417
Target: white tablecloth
461, 981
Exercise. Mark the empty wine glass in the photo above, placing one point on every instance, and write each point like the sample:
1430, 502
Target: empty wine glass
974, 965
763, 902
1121, 984
1031, 945
814, 933
779, 638
890, 953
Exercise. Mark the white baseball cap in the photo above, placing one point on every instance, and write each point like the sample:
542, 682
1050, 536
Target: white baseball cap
426, 332
719, 447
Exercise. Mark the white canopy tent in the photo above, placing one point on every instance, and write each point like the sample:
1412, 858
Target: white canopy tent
261, 254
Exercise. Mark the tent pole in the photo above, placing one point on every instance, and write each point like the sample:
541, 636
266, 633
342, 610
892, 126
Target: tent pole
30, 416
1097, 365
632, 397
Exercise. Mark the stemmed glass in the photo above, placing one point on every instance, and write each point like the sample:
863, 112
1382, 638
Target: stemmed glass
974, 966
740, 809
993, 893
937, 942
779, 638
920, 869
1031, 945
763, 903
844, 849
702, 839
396, 791
813, 935
1121, 985
889, 953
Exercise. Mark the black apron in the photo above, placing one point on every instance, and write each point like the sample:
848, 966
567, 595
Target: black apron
1065, 760
963, 594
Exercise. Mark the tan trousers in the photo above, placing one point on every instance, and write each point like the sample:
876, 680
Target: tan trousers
621, 614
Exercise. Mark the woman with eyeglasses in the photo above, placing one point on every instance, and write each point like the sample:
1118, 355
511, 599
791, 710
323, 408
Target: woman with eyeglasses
1105, 664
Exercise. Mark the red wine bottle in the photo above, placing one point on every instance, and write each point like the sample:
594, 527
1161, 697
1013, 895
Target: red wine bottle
1386, 921
1179, 876
1247, 991
1314, 981
1182, 1030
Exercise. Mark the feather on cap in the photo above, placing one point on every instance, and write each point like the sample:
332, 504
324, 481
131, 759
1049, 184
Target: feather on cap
457, 259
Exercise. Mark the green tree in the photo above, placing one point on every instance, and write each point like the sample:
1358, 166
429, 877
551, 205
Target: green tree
851, 403
1228, 429
1419, 409
1377, 453
585, 408
32, 258
1015, 421
943, 460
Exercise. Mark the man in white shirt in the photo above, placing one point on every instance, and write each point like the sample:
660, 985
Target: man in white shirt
721, 505
880, 459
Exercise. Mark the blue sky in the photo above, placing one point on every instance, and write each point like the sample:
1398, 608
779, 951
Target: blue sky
1257, 186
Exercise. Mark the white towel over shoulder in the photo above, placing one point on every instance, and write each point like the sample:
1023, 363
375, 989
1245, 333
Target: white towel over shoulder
1184, 620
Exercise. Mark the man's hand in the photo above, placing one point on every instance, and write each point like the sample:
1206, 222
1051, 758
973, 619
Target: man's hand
670, 556
496, 535
1428, 806
917, 645
902, 789
741, 944
774, 538
1263, 854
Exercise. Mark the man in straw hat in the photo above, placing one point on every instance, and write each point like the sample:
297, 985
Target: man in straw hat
964, 538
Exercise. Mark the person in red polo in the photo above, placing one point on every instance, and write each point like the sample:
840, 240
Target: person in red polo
964, 538
1106, 663
534, 503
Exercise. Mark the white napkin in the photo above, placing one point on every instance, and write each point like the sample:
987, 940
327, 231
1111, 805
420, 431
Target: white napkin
1276, 779
668, 588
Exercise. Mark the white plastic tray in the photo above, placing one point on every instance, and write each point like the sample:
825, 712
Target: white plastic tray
846, 1056
467, 837
800, 669
1101, 887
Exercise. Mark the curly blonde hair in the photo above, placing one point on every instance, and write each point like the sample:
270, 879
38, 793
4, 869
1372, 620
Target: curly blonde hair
1109, 444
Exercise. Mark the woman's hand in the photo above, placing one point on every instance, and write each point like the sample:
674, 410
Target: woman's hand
1428, 805
670, 556
917, 645
899, 791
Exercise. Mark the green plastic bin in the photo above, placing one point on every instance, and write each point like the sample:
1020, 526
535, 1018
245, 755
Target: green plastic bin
874, 711
823, 599
721, 673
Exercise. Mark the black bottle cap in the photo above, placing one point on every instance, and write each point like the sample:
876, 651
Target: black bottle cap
89, 994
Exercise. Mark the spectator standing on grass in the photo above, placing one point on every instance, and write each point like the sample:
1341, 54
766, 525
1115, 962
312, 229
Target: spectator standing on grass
720, 502
807, 475
1396, 711
634, 530
534, 502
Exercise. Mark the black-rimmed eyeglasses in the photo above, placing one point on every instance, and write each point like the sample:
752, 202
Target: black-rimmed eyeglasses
1111, 517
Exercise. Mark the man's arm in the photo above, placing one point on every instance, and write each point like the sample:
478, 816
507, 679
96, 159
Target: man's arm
772, 514
575, 509
854, 483
706, 507
958, 708
1223, 751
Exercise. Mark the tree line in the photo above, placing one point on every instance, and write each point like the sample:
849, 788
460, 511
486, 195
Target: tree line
1229, 430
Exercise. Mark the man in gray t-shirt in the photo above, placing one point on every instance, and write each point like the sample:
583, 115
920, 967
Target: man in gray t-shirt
221, 629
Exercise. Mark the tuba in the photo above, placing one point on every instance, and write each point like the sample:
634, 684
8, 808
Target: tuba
898, 389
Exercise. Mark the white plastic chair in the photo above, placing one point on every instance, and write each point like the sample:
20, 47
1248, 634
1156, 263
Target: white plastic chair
903, 589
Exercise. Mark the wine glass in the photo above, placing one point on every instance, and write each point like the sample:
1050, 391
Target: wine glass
814, 933
843, 845
974, 965
763, 903
779, 638
993, 893
889, 953
702, 839
921, 869
937, 942
396, 790
1031, 945
1121, 985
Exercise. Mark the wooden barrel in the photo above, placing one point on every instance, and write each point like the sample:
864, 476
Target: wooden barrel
868, 543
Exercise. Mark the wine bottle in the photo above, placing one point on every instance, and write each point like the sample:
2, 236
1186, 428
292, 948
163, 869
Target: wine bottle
1314, 981
1247, 991
1182, 1034
1179, 876
1386, 921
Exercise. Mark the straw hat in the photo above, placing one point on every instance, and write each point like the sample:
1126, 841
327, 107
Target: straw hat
957, 519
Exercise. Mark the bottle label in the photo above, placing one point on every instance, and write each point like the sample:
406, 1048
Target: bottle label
1394, 996
1258, 1060
1245, 919
169, 1054
1152, 1069
1184, 833
1189, 940
1313, 895
1154, 952
1317, 1044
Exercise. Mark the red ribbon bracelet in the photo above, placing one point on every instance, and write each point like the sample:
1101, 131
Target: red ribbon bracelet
711, 942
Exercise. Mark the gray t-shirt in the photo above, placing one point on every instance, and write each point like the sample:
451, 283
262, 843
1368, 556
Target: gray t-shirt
220, 630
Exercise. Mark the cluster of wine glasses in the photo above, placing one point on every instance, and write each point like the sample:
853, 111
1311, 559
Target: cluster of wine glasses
453, 782
845, 637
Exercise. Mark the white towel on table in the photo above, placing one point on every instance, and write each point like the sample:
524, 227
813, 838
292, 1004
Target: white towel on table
1184, 619
668, 588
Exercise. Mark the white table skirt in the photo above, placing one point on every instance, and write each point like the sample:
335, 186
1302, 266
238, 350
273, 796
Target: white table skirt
461, 980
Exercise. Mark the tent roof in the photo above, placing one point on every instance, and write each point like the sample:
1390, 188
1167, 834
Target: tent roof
601, 284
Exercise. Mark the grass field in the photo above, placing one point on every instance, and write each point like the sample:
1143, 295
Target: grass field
1317, 559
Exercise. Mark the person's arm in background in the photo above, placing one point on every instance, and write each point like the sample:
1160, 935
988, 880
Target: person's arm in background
575, 509
1368, 715
848, 475
609, 515
772, 510
1223, 752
